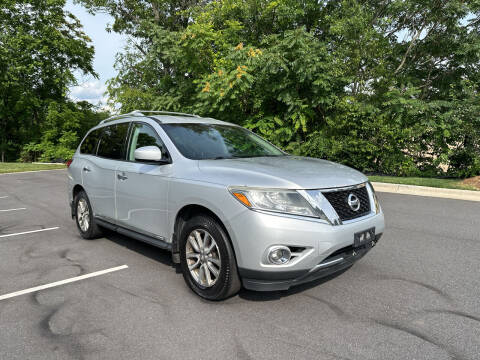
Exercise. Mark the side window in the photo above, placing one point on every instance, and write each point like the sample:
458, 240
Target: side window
112, 141
145, 135
89, 145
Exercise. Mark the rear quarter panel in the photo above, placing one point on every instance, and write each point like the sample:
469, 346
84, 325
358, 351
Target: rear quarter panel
74, 175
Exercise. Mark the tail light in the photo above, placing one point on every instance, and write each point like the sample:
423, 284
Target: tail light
68, 162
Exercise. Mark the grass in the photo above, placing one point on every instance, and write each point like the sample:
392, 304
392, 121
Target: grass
432, 182
11, 167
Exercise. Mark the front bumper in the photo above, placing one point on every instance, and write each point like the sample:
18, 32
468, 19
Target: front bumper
274, 281
253, 233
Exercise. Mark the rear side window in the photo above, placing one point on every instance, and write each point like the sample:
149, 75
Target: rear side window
112, 141
89, 145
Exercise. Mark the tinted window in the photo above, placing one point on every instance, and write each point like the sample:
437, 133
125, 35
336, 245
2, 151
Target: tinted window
89, 145
209, 141
112, 141
145, 135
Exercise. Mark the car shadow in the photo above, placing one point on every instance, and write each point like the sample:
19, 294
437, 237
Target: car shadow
150, 251
164, 257
250, 295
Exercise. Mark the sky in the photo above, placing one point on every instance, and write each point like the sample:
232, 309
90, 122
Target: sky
106, 45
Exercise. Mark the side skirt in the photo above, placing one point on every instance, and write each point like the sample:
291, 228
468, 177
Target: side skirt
135, 235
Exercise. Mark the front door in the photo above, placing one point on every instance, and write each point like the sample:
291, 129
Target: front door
141, 187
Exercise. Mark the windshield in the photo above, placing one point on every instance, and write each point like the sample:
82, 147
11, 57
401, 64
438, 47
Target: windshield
211, 141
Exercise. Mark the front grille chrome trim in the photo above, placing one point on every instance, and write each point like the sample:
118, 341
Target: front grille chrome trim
320, 203
318, 200
343, 188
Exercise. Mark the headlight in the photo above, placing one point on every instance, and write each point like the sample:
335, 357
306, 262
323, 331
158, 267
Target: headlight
280, 201
375, 200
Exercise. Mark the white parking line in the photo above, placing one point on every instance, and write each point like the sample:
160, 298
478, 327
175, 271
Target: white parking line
13, 209
62, 282
29, 232
3, 197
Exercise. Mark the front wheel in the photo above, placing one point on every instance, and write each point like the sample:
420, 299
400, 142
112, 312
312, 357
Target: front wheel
84, 217
207, 259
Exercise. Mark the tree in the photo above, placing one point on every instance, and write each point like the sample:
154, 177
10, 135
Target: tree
386, 86
66, 123
41, 45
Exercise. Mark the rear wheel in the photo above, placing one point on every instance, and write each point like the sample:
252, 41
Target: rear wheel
84, 217
207, 259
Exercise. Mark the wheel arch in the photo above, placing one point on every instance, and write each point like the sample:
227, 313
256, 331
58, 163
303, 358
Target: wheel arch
186, 213
76, 189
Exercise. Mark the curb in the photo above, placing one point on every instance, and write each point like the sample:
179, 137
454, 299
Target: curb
30, 171
427, 191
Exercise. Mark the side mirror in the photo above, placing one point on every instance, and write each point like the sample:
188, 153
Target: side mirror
148, 153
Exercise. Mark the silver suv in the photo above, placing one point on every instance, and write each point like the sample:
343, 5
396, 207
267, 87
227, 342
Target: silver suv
232, 208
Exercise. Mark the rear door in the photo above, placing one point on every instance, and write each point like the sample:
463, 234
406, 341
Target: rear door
89, 167
142, 187
99, 170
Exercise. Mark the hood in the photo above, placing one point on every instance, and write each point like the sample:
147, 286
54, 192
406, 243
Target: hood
292, 172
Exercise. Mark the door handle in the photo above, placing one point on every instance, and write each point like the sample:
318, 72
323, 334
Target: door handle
121, 177
86, 169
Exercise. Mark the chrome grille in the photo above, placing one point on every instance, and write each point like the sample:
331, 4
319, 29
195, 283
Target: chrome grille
339, 201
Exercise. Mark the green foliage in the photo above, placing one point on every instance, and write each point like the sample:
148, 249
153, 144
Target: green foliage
64, 126
40, 47
384, 86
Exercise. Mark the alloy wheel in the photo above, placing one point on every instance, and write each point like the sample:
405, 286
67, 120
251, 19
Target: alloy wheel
83, 214
203, 257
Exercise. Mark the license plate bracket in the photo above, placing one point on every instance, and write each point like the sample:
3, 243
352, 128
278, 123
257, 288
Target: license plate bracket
363, 237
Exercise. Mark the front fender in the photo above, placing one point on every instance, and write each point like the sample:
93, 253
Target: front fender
214, 197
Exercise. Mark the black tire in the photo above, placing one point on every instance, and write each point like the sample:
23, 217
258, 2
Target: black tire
228, 282
93, 231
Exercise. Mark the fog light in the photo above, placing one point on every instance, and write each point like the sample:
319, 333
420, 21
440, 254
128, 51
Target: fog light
279, 255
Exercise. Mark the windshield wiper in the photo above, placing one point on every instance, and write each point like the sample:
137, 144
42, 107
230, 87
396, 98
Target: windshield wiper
243, 156
254, 156
220, 158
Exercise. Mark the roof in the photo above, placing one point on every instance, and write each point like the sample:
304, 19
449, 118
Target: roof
165, 117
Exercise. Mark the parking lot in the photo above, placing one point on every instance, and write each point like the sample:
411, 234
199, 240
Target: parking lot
414, 296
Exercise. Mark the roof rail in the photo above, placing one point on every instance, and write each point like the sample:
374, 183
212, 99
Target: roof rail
161, 112
145, 113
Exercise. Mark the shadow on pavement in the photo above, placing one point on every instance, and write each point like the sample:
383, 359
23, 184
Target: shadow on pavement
164, 257
154, 253
275, 295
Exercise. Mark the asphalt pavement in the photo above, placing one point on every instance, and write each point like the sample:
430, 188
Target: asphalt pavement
416, 295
